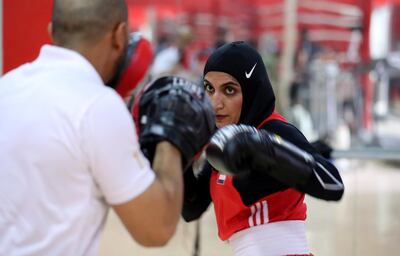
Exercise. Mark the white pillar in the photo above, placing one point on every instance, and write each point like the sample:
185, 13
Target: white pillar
289, 48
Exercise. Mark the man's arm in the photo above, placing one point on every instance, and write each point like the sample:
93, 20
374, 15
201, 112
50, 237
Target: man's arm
171, 109
152, 217
148, 202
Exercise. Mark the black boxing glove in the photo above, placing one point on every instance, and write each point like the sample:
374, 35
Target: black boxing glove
239, 149
174, 109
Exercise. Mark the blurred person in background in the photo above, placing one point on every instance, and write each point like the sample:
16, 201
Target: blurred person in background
306, 51
259, 166
221, 37
269, 50
68, 146
172, 60
298, 114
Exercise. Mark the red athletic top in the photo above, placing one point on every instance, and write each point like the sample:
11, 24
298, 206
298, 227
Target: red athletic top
233, 215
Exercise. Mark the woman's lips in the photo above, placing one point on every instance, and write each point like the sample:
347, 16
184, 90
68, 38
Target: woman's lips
219, 118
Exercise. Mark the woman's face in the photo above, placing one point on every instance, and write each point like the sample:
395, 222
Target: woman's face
226, 97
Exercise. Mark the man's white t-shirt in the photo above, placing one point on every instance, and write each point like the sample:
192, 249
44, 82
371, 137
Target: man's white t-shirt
68, 148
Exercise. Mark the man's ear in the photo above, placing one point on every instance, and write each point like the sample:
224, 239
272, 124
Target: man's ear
50, 31
120, 38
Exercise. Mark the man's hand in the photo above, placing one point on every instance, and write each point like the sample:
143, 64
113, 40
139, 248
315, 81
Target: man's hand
176, 110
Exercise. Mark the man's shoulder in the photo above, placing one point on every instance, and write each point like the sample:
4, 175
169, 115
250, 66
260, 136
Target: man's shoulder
86, 96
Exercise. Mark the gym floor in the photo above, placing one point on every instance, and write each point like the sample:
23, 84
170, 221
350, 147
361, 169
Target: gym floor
365, 222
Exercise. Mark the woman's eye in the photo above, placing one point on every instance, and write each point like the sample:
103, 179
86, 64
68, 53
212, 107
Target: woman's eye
229, 90
208, 88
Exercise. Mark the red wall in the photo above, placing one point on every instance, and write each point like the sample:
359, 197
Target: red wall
24, 30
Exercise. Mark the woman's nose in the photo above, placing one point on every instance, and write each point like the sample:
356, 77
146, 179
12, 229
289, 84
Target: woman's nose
217, 101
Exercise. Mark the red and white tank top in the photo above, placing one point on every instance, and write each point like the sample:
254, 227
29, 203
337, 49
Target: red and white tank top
233, 215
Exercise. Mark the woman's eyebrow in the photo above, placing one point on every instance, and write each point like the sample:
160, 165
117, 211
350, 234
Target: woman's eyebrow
232, 83
205, 80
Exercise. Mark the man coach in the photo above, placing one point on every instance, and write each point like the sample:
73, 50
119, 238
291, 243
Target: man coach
69, 149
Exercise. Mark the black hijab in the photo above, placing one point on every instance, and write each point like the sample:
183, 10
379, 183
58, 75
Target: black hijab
245, 64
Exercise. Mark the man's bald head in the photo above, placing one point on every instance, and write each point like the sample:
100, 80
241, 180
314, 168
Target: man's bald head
84, 21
